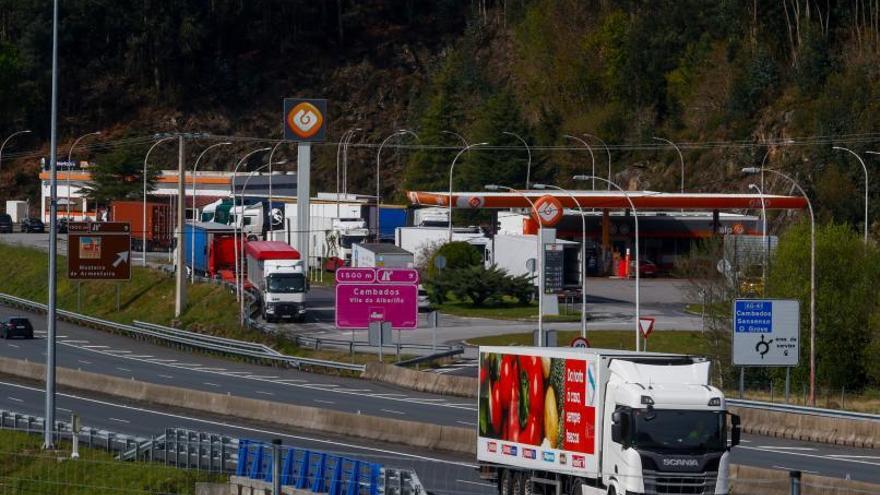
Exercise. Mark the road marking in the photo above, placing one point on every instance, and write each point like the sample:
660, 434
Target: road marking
236, 373
209, 369
64, 410
324, 401
95, 346
420, 399
352, 390
261, 377
120, 420
264, 393
15, 399
141, 356
466, 423
118, 351
75, 342
13, 345
123, 369
155, 360
478, 483
166, 376
392, 411
211, 384
290, 381
814, 456
850, 456
781, 447
387, 396
84, 362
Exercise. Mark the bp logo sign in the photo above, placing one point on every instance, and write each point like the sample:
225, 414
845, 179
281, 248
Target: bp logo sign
304, 120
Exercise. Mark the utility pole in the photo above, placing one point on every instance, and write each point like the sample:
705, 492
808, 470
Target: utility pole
180, 275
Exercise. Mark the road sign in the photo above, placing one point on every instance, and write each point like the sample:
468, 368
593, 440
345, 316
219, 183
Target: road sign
646, 325
548, 211
554, 269
368, 295
305, 119
580, 343
99, 251
766, 332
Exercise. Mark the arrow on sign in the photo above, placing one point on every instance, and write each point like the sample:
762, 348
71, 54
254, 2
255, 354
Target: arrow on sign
121, 258
646, 326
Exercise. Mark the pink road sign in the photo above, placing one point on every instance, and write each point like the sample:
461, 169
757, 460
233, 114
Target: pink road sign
397, 276
359, 304
355, 275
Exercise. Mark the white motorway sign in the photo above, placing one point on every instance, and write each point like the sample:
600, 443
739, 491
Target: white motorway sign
766, 332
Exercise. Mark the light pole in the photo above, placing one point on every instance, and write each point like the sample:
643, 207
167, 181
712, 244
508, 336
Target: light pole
539, 256
680, 157
451, 168
763, 235
144, 212
70, 165
240, 282
638, 263
607, 151
378, 191
3, 145
269, 216
865, 169
192, 242
753, 170
592, 156
238, 218
459, 136
342, 152
583, 253
529, 152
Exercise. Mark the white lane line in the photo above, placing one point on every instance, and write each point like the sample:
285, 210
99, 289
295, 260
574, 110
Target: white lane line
64, 410
261, 377
324, 401
155, 360
352, 390
289, 381
118, 351
488, 485
387, 396
814, 456
429, 400
782, 447
80, 361
188, 365
851, 456
221, 424
15, 399
784, 468
140, 356
264, 393
95, 347
13, 345
211, 384
209, 369
392, 411
123, 369
236, 373
166, 376
466, 423
120, 420
74, 342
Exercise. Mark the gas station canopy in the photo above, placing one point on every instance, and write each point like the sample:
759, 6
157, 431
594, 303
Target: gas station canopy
648, 200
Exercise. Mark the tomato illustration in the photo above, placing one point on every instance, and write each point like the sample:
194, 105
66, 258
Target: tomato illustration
536, 391
495, 409
508, 379
513, 428
532, 433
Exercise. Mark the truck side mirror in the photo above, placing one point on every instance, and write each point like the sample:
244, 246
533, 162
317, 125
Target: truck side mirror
735, 430
617, 419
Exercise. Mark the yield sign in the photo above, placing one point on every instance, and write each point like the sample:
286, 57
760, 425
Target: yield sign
646, 326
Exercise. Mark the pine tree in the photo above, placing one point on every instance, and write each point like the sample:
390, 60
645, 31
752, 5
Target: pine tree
119, 174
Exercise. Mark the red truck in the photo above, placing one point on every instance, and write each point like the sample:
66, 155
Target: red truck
158, 232
210, 249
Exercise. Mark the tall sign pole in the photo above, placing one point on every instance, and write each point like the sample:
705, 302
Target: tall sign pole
180, 275
303, 224
49, 425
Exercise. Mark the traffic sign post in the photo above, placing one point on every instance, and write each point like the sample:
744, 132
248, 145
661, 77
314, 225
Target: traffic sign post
580, 343
99, 251
646, 326
766, 333
367, 295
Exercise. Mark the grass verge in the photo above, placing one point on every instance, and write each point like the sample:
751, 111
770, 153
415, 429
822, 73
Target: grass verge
26, 468
506, 310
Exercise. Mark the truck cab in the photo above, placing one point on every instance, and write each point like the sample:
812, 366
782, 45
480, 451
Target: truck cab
349, 231
284, 291
665, 430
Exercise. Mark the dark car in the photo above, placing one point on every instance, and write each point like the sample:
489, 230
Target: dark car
31, 224
16, 326
5, 223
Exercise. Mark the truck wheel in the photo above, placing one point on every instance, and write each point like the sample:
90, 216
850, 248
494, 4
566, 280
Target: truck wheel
505, 483
519, 484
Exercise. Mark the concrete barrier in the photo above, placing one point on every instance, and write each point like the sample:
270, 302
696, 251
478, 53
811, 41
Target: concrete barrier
434, 383
412, 433
850, 432
748, 480
239, 485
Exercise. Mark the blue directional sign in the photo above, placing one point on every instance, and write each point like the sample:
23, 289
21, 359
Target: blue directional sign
766, 332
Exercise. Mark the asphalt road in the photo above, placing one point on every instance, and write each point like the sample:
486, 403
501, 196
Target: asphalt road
98, 352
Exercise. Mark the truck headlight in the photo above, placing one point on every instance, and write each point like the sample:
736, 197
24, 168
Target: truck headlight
715, 402
270, 309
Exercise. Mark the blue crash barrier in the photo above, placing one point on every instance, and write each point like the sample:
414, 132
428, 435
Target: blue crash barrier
317, 472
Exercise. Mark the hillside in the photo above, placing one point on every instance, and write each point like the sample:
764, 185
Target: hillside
727, 76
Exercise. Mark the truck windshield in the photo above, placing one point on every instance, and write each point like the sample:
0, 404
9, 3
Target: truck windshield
286, 284
347, 240
672, 430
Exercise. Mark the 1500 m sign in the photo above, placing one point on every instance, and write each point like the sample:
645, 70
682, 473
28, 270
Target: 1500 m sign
366, 295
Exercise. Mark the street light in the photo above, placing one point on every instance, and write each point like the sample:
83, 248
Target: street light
764, 239
638, 263
539, 256
378, 192
607, 151
3, 145
70, 166
342, 151
592, 156
529, 151
238, 218
269, 215
680, 157
583, 253
144, 219
865, 169
451, 168
192, 243
240, 282
459, 136
753, 170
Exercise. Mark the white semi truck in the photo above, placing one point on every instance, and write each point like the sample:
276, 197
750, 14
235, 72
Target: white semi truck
596, 421
276, 271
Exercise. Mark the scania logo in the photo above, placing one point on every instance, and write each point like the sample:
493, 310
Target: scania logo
680, 462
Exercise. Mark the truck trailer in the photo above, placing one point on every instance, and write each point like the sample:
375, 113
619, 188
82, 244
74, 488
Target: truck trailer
277, 272
158, 231
209, 249
596, 421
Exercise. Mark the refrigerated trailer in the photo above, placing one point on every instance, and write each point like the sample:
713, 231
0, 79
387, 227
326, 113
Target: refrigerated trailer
276, 271
157, 233
597, 421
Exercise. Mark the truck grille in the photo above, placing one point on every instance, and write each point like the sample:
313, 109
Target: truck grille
679, 483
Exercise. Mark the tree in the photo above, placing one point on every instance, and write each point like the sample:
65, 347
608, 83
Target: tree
479, 284
119, 174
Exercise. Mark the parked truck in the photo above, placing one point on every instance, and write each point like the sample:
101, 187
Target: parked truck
595, 421
421, 241
158, 231
209, 248
276, 272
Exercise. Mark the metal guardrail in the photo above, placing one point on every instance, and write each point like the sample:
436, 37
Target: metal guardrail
91, 437
811, 411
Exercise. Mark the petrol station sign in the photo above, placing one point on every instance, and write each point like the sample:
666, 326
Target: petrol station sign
99, 251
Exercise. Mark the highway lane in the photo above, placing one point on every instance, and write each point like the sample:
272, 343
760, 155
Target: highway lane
442, 473
92, 350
